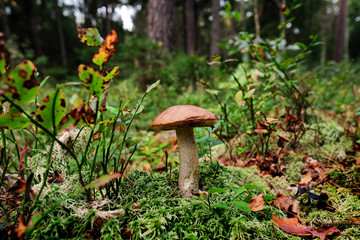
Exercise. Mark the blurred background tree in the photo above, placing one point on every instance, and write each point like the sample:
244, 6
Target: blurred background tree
45, 31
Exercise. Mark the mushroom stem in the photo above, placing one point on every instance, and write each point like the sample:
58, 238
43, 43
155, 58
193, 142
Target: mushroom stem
189, 165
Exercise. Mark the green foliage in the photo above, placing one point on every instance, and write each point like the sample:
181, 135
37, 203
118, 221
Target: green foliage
22, 85
54, 103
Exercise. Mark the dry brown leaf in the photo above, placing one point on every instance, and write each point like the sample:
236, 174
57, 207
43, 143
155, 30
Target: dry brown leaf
257, 203
160, 165
306, 179
287, 204
290, 225
146, 167
323, 232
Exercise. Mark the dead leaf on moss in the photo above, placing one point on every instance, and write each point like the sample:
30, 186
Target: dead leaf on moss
291, 225
257, 203
306, 179
287, 204
323, 232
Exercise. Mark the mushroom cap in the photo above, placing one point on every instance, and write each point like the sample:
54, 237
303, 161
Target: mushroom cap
183, 116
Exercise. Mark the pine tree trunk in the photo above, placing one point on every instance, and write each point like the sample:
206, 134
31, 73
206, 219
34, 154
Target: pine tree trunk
215, 27
324, 32
29, 6
243, 14
340, 32
280, 4
160, 22
190, 27
61, 33
256, 21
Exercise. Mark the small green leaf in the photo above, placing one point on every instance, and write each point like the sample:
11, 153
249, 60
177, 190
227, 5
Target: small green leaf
239, 191
249, 93
210, 139
112, 73
22, 84
269, 198
152, 86
2, 67
218, 190
250, 187
301, 45
44, 81
212, 91
220, 205
239, 96
48, 105
243, 206
90, 36
92, 80
101, 181
215, 143
12, 121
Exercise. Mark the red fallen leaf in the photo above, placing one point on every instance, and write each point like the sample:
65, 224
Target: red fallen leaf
257, 203
136, 205
323, 232
287, 204
128, 232
290, 225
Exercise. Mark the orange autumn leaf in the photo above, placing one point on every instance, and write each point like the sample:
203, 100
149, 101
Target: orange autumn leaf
107, 49
323, 232
257, 203
291, 225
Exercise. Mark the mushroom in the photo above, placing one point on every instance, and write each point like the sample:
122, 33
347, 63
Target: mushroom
183, 118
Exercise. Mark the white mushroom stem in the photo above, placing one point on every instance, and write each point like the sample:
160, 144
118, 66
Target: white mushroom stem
189, 164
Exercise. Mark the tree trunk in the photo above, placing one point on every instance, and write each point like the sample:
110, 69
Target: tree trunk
256, 21
107, 18
160, 22
4, 20
61, 33
243, 14
190, 27
280, 4
340, 32
215, 27
33, 27
324, 31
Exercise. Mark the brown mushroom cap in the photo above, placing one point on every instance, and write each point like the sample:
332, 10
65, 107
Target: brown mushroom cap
183, 116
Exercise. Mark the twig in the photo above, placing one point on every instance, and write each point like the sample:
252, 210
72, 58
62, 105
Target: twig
281, 231
174, 190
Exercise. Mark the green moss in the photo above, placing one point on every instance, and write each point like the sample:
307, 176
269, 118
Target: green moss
294, 164
151, 209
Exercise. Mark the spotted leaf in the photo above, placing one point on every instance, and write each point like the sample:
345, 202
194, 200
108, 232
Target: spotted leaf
22, 84
44, 114
92, 80
90, 36
13, 121
112, 73
82, 113
106, 50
